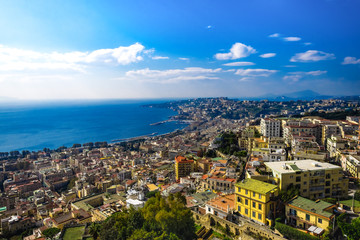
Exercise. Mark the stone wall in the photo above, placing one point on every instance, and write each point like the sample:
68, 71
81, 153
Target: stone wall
244, 230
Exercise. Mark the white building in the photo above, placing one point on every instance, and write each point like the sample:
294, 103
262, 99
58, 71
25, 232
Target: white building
270, 127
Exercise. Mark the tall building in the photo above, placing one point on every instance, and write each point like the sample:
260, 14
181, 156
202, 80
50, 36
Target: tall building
256, 200
183, 167
270, 127
314, 179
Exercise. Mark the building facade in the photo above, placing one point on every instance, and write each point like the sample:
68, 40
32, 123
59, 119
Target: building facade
313, 179
256, 200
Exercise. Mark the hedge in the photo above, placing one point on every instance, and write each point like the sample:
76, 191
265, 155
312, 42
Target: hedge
292, 233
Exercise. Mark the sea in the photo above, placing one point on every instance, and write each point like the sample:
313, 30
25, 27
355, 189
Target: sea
35, 126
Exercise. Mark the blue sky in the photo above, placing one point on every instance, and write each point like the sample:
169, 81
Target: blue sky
164, 49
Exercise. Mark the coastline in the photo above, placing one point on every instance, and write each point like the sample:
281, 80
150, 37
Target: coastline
55, 135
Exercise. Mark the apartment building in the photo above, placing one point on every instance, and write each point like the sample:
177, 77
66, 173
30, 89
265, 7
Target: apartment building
218, 184
183, 167
313, 216
314, 179
351, 164
256, 200
270, 127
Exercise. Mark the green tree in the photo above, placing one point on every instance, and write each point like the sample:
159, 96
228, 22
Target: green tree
351, 230
95, 230
51, 232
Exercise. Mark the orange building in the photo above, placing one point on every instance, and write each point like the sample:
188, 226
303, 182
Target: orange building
183, 167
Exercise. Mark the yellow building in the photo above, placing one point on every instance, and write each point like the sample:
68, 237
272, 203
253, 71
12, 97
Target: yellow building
256, 200
183, 167
313, 216
314, 179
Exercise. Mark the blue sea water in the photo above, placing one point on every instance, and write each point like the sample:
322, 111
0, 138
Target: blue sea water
36, 126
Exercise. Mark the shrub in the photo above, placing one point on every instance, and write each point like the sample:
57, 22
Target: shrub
292, 233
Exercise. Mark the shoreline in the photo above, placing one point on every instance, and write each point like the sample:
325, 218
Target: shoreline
117, 141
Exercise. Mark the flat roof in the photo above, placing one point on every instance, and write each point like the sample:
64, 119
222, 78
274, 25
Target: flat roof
256, 186
299, 165
316, 207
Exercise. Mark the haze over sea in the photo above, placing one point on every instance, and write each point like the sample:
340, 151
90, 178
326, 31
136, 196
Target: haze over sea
36, 126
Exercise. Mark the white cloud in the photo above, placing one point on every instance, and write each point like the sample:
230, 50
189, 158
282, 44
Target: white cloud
307, 43
268, 55
275, 35
255, 72
296, 76
292, 39
246, 79
159, 57
238, 50
172, 75
312, 56
313, 73
238, 64
184, 59
351, 60
14, 59
209, 26
292, 78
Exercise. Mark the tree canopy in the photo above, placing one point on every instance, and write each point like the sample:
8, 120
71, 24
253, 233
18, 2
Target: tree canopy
160, 218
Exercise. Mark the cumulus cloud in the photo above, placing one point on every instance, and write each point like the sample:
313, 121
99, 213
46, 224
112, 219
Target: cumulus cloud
159, 57
275, 35
238, 64
172, 75
255, 72
268, 55
209, 26
14, 59
312, 56
184, 59
238, 50
351, 60
291, 39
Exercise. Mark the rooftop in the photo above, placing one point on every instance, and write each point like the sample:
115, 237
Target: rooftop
317, 207
256, 186
299, 165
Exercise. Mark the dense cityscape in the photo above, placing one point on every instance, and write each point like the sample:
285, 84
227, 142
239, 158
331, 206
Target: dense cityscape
240, 170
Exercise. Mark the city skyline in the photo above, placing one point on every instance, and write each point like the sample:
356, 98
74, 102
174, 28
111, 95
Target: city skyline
141, 49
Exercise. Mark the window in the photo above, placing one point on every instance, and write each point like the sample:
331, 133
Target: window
246, 202
239, 209
239, 189
291, 176
260, 206
254, 205
209, 210
254, 214
298, 179
305, 183
307, 217
254, 194
246, 211
259, 196
246, 192
319, 220
259, 216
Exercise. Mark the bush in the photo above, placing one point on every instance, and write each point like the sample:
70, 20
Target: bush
292, 233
